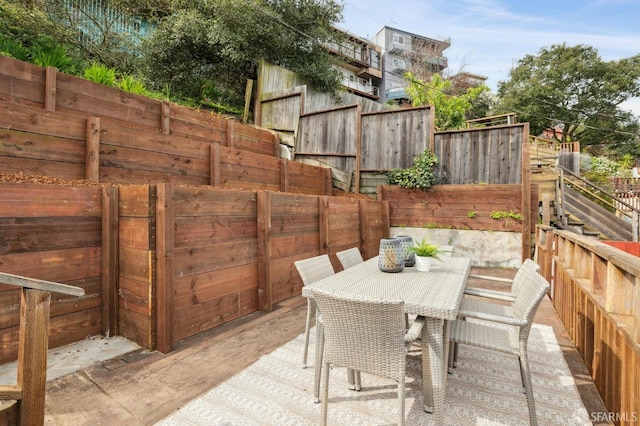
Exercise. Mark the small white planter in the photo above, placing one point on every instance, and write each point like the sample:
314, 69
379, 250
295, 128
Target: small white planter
423, 263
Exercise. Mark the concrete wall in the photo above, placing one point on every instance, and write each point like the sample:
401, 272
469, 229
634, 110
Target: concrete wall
493, 249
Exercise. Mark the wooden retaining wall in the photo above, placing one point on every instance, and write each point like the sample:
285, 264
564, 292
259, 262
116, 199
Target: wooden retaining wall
595, 290
27, 84
161, 262
464, 207
54, 235
71, 147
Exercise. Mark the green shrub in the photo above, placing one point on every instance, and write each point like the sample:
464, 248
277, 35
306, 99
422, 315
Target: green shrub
99, 73
131, 84
53, 56
421, 175
13, 49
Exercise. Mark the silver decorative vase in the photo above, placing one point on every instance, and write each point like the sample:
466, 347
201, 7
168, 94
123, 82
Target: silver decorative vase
406, 242
391, 255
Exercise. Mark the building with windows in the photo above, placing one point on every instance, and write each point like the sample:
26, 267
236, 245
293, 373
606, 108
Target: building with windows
403, 51
360, 62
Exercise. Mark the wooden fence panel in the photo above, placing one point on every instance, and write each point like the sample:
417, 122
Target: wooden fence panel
21, 82
488, 155
54, 236
281, 110
460, 206
295, 235
392, 139
343, 226
330, 136
215, 258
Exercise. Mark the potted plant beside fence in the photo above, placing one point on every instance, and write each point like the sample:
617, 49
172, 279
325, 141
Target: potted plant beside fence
425, 253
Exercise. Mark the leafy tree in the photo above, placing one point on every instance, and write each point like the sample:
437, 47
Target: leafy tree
450, 110
572, 90
224, 40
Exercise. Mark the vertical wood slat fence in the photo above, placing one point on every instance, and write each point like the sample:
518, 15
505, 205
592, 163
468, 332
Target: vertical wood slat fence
355, 141
596, 292
489, 155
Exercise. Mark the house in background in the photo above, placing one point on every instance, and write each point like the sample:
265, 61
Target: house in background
403, 51
360, 63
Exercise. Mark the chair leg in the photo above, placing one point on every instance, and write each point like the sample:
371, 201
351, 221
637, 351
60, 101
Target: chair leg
325, 392
311, 312
353, 376
401, 390
526, 381
319, 360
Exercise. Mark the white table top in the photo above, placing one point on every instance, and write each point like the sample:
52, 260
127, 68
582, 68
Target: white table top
435, 294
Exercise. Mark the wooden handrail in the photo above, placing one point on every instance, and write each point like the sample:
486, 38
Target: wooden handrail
30, 389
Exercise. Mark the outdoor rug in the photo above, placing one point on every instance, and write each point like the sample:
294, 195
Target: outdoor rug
485, 389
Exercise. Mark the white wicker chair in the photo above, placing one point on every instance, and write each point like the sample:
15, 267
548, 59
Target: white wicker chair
364, 335
349, 257
311, 270
528, 264
512, 338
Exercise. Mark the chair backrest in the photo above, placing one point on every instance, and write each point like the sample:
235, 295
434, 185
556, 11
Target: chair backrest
527, 266
314, 268
363, 334
532, 289
349, 257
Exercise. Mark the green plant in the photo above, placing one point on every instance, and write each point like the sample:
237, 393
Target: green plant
426, 249
13, 49
421, 175
471, 214
505, 215
48, 55
101, 74
131, 84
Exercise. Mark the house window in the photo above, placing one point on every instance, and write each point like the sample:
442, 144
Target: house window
375, 60
398, 39
399, 64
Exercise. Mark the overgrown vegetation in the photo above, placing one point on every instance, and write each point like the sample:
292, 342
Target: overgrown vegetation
450, 110
197, 54
421, 175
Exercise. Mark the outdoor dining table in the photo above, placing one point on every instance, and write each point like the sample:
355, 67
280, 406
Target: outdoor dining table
435, 295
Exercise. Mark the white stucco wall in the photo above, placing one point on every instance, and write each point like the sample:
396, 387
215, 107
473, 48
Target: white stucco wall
493, 249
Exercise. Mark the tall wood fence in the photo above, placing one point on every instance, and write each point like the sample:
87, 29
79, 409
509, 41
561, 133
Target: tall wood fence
162, 262
351, 140
595, 290
487, 155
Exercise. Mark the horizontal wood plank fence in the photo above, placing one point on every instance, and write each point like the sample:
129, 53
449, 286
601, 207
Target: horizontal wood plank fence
161, 262
28, 84
71, 147
467, 207
595, 290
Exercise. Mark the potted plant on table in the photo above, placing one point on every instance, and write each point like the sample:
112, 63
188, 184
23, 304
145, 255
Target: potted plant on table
425, 252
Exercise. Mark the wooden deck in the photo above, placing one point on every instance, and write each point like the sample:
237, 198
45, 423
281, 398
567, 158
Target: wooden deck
141, 388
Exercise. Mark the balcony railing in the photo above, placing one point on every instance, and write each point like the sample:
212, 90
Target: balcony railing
360, 84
